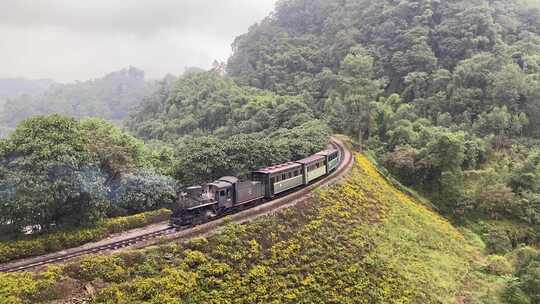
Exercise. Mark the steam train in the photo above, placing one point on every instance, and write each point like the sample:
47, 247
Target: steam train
199, 204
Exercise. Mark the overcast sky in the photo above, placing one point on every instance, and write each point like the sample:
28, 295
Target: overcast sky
69, 40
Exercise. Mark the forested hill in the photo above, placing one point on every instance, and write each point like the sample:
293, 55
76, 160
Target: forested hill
444, 94
109, 97
12, 87
456, 57
432, 87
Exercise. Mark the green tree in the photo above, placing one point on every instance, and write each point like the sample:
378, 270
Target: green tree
357, 89
49, 177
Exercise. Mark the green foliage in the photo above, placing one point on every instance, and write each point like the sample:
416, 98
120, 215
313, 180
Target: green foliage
109, 97
527, 176
349, 107
524, 288
200, 159
117, 151
387, 248
514, 295
41, 244
57, 172
498, 242
48, 176
143, 191
208, 103
498, 265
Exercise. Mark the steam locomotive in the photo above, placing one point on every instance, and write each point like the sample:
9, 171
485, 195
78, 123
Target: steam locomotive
199, 204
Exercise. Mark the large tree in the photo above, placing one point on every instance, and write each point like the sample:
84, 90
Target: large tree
49, 178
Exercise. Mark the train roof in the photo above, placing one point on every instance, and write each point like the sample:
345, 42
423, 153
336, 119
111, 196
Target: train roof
224, 182
278, 168
311, 159
220, 184
229, 179
328, 152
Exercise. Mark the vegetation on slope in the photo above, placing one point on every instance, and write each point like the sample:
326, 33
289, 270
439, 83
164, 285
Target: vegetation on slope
12, 87
359, 242
216, 127
109, 98
56, 172
34, 245
445, 94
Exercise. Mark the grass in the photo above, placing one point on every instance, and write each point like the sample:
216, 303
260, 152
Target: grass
363, 241
34, 245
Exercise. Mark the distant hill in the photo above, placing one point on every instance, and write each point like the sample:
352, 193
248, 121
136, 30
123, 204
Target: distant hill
12, 87
109, 97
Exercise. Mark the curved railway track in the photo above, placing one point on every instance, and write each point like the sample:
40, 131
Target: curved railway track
171, 233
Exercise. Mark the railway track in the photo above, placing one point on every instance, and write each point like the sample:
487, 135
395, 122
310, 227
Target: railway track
107, 247
171, 233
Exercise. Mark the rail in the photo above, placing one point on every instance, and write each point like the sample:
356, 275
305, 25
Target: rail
171, 233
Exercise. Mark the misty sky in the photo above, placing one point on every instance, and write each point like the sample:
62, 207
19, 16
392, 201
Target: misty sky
69, 40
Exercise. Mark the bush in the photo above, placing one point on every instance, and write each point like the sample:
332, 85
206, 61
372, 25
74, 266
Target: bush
141, 192
107, 268
497, 241
530, 279
33, 288
524, 255
498, 265
514, 295
43, 244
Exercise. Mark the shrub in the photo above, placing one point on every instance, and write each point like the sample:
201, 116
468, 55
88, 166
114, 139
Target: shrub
514, 295
107, 268
42, 244
32, 288
497, 241
110, 295
530, 279
498, 265
141, 192
524, 255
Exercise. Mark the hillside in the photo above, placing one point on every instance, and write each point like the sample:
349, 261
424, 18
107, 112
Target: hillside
444, 94
12, 87
109, 97
360, 242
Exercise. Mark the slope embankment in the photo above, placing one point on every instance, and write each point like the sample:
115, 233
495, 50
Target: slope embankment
362, 241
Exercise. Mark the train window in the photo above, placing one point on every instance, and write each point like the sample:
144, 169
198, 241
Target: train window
273, 180
228, 193
289, 175
222, 193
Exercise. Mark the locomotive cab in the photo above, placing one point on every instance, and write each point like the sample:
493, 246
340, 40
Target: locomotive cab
222, 192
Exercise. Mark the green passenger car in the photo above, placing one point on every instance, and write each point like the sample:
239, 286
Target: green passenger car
313, 167
332, 159
280, 178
